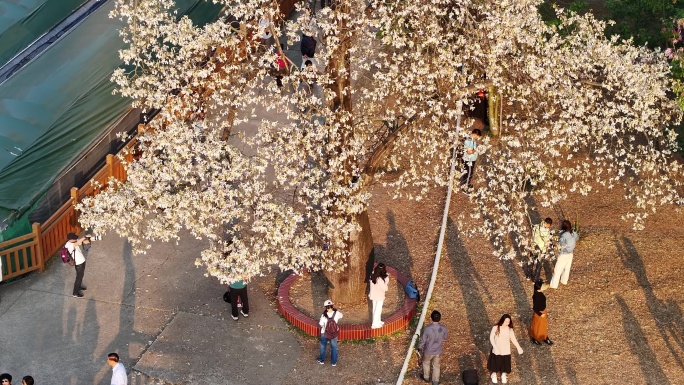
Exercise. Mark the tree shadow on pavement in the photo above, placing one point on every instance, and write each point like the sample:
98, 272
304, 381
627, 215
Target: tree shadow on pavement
666, 314
120, 342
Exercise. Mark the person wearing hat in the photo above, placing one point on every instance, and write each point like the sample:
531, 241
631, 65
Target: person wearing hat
73, 245
539, 325
329, 334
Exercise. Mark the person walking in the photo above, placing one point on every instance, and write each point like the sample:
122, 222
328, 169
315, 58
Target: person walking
329, 331
541, 238
470, 153
379, 283
118, 370
567, 241
431, 344
500, 337
73, 245
238, 293
539, 326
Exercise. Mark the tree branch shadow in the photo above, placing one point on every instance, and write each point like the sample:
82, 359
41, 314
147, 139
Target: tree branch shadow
639, 345
667, 314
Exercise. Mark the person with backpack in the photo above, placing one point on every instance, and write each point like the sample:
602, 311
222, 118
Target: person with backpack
470, 153
379, 284
330, 329
73, 247
567, 241
541, 238
431, 344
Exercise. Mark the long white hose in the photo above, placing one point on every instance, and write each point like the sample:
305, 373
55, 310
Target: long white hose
440, 243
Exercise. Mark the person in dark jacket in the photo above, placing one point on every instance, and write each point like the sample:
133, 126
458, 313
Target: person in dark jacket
539, 325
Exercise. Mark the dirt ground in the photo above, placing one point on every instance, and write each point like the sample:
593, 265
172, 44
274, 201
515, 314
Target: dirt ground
619, 320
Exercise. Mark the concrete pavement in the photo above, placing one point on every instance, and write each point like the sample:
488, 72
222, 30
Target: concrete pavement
166, 320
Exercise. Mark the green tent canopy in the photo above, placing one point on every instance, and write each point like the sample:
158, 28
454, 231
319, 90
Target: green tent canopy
57, 105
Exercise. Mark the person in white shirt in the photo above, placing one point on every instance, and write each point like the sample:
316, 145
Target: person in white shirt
541, 237
118, 370
501, 337
330, 314
73, 245
379, 284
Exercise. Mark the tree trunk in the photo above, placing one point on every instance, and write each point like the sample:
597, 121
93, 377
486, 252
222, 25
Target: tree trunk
494, 101
349, 285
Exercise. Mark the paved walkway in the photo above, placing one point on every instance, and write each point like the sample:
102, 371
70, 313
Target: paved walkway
158, 311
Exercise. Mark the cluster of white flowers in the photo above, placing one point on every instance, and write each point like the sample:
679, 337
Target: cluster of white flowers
580, 109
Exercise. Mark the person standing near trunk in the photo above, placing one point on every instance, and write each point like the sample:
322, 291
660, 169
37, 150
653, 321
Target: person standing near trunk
73, 245
379, 284
470, 153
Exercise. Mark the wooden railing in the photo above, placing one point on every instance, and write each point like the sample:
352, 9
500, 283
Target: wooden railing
31, 251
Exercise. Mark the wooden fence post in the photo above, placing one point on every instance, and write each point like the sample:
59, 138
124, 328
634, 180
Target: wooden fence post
38, 236
74, 202
110, 166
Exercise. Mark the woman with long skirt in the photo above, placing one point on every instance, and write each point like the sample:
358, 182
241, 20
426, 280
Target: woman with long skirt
501, 336
539, 326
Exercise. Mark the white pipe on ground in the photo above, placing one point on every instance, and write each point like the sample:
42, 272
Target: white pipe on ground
440, 243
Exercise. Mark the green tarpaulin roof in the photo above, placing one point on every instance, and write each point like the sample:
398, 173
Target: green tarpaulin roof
58, 104
24, 21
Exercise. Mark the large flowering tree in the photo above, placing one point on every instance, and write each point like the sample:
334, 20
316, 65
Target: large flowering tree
294, 191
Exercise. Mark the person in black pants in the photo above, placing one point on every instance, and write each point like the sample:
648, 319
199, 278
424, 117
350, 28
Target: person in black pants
73, 245
470, 153
238, 289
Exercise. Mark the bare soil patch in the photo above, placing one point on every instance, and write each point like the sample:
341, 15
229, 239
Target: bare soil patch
619, 320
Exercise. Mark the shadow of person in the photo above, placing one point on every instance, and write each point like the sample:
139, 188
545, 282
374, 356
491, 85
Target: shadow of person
473, 289
667, 314
126, 332
639, 345
401, 257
